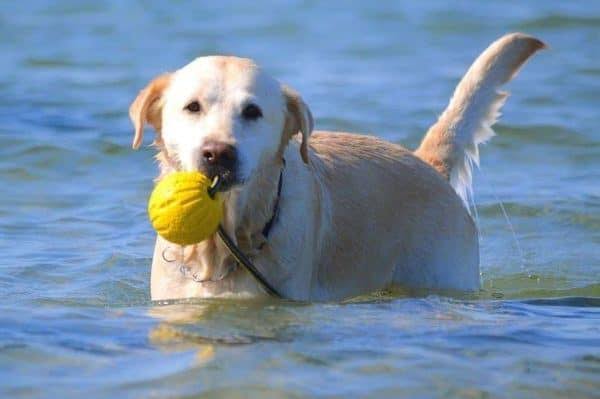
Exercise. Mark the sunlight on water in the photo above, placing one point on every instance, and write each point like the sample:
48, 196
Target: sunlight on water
76, 319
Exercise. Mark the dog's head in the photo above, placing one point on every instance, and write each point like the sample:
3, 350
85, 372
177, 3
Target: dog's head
221, 116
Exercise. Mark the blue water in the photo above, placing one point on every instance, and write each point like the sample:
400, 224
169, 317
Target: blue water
76, 318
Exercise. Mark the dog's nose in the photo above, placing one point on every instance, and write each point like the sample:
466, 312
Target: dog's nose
220, 159
220, 155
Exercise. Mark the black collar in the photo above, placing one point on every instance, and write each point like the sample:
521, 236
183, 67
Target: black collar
241, 258
267, 229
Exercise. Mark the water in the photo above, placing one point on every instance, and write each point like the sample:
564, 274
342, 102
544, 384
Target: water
76, 318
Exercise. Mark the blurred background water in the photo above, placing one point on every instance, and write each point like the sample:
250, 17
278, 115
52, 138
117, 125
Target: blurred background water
76, 246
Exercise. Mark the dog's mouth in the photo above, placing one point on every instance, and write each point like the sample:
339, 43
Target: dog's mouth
224, 180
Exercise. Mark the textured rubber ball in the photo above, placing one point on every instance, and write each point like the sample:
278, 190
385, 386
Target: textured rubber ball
181, 210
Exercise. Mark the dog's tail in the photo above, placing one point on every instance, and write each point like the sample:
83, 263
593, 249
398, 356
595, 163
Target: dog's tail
450, 145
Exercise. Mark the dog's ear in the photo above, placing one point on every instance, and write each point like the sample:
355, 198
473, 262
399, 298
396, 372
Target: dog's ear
147, 107
298, 119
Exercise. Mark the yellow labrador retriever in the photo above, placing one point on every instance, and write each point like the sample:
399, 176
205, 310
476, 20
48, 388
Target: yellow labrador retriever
322, 215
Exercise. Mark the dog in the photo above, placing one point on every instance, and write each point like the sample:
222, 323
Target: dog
347, 214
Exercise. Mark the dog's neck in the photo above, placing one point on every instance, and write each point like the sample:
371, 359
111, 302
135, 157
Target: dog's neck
249, 208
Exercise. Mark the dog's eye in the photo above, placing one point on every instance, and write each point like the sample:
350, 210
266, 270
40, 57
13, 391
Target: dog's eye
193, 107
251, 112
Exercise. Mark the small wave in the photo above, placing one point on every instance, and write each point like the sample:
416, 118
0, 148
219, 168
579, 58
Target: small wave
575, 301
521, 286
584, 215
542, 134
559, 21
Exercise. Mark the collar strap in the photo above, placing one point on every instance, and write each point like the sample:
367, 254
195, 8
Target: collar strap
267, 229
241, 258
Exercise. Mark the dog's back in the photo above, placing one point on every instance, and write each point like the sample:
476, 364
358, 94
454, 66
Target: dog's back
389, 218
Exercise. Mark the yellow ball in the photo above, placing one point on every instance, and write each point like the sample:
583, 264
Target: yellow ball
181, 210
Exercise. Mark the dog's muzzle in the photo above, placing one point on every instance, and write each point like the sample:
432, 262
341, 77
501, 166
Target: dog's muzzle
220, 159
